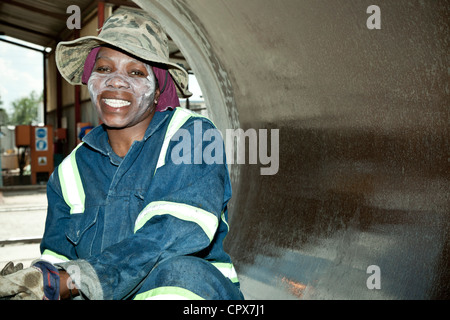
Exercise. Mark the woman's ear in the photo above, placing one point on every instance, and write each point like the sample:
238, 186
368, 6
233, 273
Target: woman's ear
157, 94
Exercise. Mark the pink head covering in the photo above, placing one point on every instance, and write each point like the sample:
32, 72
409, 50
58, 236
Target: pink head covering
168, 93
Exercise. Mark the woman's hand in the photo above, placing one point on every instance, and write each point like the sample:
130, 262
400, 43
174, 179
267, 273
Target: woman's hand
67, 289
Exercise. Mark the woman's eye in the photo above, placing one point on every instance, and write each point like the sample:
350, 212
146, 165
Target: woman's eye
102, 69
137, 73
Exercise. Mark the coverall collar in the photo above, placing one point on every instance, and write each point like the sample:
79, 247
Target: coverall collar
97, 138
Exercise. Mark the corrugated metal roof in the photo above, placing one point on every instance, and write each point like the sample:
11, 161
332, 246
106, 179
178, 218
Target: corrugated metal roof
43, 22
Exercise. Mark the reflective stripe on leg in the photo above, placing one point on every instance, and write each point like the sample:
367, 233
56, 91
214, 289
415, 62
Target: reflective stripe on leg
168, 293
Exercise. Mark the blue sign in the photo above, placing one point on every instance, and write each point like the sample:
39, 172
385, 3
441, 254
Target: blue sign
41, 133
41, 145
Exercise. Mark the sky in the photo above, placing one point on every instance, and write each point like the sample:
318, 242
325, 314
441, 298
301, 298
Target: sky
21, 71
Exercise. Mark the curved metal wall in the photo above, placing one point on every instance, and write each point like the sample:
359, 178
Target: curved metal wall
362, 114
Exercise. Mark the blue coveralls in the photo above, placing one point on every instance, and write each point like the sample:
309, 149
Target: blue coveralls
143, 226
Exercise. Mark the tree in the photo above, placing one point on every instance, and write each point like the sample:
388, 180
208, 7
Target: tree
26, 109
4, 118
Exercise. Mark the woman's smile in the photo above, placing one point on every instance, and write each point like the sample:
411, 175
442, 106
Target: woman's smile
116, 103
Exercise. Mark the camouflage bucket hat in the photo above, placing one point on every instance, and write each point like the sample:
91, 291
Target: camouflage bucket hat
131, 30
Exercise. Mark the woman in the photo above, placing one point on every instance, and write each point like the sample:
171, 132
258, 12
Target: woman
124, 220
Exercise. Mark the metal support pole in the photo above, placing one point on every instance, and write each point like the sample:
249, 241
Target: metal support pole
77, 102
100, 15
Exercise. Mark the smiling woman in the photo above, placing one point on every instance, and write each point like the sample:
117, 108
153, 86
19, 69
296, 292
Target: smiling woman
124, 221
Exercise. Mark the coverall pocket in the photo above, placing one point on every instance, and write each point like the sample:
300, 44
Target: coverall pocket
81, 225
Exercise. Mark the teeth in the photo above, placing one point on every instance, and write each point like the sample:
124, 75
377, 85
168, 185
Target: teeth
116, 103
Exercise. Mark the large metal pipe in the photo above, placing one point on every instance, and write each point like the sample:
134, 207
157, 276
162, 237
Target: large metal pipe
361, 197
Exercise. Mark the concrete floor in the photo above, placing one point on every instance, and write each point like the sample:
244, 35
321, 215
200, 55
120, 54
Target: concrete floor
22, 216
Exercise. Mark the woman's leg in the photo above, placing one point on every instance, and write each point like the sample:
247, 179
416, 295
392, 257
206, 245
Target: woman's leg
187, 277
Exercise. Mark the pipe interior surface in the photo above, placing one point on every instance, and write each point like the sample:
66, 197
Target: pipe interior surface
362, 185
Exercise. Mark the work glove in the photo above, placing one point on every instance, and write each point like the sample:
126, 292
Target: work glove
39, 282
10, 268
25, 284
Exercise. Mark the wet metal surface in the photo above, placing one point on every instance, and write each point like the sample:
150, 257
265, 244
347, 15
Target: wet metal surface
337, 208
363, 121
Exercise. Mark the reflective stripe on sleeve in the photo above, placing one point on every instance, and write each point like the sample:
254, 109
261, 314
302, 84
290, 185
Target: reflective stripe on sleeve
53, 257
71, 185
206, 220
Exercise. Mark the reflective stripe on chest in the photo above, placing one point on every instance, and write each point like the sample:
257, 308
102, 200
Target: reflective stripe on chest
71, 185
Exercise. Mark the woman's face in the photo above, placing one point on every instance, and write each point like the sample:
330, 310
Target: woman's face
122, 89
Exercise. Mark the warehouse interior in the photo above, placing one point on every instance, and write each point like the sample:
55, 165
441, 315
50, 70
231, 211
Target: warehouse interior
362, 116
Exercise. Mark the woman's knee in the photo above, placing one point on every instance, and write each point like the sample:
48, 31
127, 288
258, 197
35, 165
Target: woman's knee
187, 277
